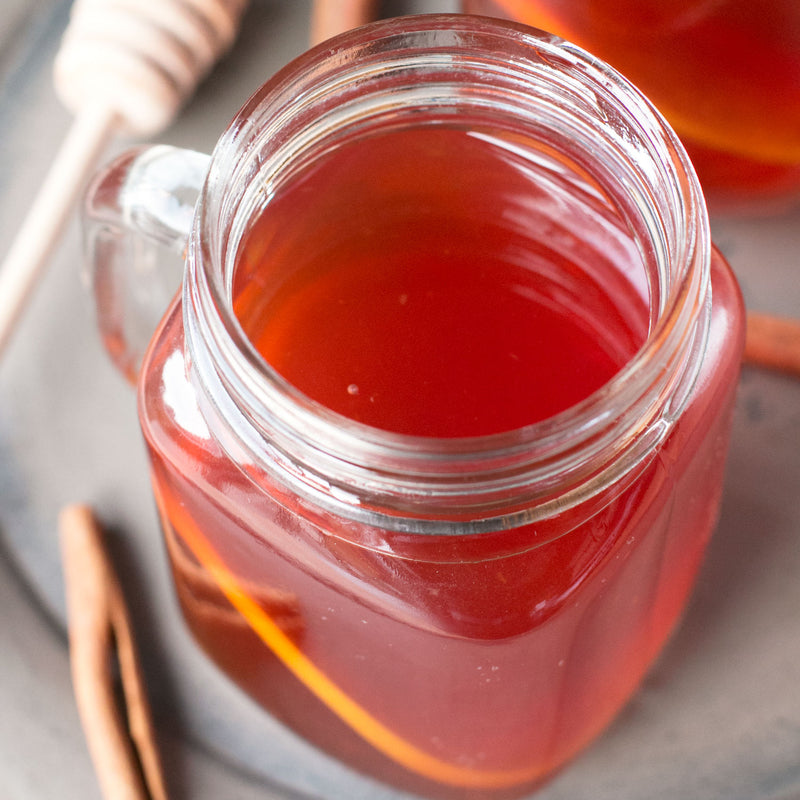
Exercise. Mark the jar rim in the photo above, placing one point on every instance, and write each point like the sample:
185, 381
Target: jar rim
319, 448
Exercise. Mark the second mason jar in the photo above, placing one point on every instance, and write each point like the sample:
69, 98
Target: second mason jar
725, 73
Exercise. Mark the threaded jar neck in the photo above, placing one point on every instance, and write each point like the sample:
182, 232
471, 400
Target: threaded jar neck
574, 117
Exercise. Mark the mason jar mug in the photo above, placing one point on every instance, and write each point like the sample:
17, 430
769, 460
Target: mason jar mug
438, 420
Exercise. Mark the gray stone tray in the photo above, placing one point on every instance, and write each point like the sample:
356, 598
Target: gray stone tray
718, 718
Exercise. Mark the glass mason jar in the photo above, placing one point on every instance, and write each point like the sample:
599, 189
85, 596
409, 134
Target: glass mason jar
454, 608
725, 73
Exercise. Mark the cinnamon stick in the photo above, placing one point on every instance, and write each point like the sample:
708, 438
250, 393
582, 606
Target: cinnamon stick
125, 756
329, 17
773, 342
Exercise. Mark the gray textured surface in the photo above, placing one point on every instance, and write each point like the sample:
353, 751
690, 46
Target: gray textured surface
719, 718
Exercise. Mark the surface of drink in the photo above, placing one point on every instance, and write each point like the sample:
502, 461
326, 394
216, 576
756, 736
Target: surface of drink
725, 73
439, 286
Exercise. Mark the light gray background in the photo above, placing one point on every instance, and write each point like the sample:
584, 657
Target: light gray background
719, 717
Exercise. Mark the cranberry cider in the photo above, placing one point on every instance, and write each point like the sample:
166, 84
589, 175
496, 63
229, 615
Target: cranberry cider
440, 283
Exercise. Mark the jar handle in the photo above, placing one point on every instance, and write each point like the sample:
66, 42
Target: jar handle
136, 218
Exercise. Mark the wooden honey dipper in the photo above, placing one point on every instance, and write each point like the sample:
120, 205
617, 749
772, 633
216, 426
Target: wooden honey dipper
124, 66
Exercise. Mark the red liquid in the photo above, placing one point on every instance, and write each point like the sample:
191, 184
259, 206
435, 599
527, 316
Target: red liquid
725, 73
407, 302
461, 294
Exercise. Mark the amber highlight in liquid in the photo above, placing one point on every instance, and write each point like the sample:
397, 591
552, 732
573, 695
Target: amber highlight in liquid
725, 73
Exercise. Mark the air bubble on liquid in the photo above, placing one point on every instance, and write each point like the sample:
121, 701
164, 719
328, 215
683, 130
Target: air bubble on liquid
352, 389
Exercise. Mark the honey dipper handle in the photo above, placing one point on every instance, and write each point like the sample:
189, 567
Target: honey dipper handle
48, 215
